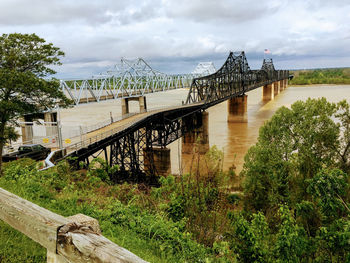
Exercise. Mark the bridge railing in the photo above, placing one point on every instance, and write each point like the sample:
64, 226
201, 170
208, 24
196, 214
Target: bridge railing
73, 239
86, 142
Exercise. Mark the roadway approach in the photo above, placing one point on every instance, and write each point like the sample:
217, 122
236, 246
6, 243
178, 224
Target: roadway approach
138, 144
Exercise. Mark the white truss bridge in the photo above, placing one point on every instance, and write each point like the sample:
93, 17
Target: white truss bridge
204, 68
129, 78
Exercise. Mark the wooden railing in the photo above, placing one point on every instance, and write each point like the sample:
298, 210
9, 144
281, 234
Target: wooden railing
73, 239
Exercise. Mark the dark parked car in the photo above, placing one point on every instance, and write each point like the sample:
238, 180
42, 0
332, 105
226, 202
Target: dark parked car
33, 151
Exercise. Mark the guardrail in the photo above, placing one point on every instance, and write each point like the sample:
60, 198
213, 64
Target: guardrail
58, 154
73, 239
52, 157
99, 125
101, 136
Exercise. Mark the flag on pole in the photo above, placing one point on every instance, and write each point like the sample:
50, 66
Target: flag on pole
267, 51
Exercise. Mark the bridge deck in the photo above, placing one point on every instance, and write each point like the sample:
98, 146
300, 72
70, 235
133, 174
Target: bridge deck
120, 126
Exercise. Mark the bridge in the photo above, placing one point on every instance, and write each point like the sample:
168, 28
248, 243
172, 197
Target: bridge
127, 79
138, 146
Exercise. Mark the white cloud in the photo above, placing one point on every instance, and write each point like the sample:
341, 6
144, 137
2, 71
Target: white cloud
238, 11
174, 35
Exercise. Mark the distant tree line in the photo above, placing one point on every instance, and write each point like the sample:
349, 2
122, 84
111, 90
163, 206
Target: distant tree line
321, 76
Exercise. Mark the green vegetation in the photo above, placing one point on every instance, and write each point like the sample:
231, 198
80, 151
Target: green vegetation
297, 177
25, 63
295, 206
321, 76
134, 216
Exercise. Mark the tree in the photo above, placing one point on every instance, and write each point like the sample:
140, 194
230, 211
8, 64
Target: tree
298, 176
332, 242
291, 242
329, 188
250, 240
24, 87
293, 147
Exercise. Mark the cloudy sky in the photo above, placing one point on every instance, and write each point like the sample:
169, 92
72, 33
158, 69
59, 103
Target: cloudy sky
174, 35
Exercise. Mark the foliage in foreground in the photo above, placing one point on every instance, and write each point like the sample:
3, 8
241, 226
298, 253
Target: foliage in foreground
149, 234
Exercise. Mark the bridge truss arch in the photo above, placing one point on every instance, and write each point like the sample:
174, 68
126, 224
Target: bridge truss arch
234, 78
129, 78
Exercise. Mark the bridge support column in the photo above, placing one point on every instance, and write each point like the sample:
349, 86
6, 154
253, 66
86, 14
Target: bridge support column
142, 103
27, 133
198, 137
125, 106
267, 92
157, 159
27, 130
50, 116
275, 88
281, 85
237, 109
140, 99
51, 128
195, 144
285, 83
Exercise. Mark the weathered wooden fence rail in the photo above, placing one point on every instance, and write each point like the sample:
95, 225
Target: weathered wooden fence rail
73, 239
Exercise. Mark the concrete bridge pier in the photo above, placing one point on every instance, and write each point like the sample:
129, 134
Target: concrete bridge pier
140, 99
27, 133
237, 109
51, 127
27, 129
50, 116
268, 92
157, 160
281, 82
285, 83
198, 137
195, 144
275, 88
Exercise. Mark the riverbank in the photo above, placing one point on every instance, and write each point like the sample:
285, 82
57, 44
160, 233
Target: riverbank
321, 76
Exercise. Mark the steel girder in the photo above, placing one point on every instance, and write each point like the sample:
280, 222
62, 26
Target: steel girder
129, 78
234, 78
127, 148
128, 151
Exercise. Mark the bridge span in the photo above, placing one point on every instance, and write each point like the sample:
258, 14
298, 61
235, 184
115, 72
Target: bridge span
138, 144
128, 79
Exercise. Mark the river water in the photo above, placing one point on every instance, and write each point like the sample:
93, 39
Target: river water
234, 139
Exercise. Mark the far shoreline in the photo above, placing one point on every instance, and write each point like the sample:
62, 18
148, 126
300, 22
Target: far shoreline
307, 85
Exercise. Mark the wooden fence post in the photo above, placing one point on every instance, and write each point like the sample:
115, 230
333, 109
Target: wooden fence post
73, 239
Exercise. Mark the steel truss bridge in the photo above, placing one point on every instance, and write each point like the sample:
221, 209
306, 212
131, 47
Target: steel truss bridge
234, 78
128, 146
129, 78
